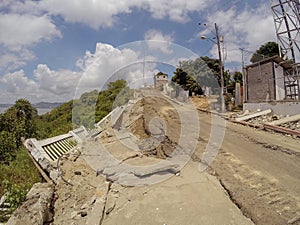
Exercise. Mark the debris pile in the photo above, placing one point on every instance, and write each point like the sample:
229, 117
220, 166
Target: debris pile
150, 125
292, 125
201, 103
77, 196
264, 119
37, 208
288, 125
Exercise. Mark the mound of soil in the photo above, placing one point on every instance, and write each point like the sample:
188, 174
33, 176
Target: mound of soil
153, 127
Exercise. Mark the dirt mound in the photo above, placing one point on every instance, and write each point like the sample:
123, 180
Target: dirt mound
76, 196
200, 102
160, 147
153, 127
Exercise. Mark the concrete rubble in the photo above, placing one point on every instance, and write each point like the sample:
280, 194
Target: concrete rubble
287, 125
136, 164
37, 207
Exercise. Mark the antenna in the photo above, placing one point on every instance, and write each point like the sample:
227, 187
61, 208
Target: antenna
286, 15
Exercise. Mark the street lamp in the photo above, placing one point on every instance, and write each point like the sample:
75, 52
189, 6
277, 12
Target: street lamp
218, 42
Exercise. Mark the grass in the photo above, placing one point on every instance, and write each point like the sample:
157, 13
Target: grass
17, 178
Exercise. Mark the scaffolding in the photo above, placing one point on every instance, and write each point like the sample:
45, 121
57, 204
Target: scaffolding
286, 15
292, 84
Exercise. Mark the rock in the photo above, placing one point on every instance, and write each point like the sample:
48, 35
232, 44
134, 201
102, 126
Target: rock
83, 214
294, 220
67, 196
110, 207
84, 206
73, 214
35, 209
108, 135
77, 172
54, 175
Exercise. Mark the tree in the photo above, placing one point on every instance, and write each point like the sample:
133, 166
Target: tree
20, 120
186, 82
206, 71
116, 94
8, 147
269, 49
238, 77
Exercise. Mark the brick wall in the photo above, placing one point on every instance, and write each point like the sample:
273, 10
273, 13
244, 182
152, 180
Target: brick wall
260, 82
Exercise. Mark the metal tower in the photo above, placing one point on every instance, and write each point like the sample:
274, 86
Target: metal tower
286, 15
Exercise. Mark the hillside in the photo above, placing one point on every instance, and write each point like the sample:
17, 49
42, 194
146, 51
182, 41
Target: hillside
17, 172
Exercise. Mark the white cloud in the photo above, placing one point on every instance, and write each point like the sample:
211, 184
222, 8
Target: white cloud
60, 83
94, 13
157, 36
18, 34
24, 24
247, 29
98, 13
48, 85
22, 7
107, 63
25, 30
100, 66
176, 10
156, 40
12, 60
18, 83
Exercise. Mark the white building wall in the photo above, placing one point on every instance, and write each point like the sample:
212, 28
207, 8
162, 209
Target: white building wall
279, 82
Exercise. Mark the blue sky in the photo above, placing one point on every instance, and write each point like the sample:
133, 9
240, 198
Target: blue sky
53, 49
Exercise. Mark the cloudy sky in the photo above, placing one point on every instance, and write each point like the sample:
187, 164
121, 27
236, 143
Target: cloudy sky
53, 49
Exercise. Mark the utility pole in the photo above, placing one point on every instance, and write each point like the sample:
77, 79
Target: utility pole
220, 64
221, 69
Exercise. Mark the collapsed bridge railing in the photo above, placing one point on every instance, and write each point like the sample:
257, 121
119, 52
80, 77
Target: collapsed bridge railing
46, 152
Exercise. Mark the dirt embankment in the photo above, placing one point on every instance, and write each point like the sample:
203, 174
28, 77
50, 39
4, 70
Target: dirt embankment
156, 124
260, 180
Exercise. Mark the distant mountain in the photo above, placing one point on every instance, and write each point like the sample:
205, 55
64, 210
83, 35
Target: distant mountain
47, 105
40, 105
5, 105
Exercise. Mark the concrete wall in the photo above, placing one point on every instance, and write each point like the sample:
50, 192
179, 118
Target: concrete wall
280, 108
279, 82
260, 82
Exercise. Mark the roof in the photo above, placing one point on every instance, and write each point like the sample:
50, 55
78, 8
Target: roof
161, 74
277, 59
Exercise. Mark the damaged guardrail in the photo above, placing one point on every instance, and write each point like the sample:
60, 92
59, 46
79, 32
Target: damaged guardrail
273, 125
282, 129
46, 152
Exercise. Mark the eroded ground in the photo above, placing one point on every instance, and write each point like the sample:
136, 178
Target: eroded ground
254, 178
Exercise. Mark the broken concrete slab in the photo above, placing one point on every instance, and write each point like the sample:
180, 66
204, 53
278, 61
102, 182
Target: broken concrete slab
123, 169
191, 198
285, 120
35, 209
172, 168
243, 118
97, 213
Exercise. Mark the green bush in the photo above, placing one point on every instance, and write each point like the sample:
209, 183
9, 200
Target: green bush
8, 147
16, 193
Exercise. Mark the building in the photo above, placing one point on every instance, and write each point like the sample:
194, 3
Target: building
272, 83
160, 80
